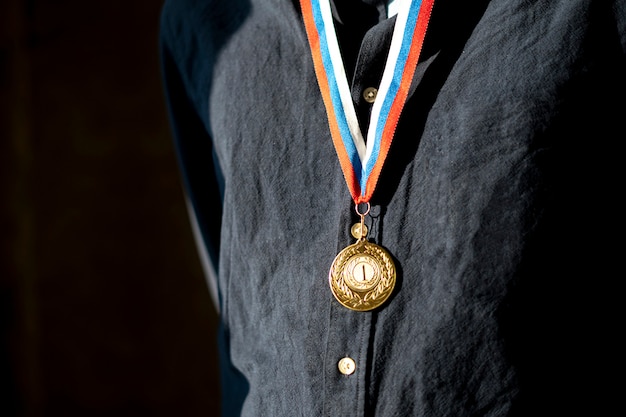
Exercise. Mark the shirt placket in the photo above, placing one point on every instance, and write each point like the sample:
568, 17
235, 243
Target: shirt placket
347, 364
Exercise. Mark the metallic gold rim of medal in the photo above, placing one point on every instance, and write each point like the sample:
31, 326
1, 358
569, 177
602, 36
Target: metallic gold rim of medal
363, 275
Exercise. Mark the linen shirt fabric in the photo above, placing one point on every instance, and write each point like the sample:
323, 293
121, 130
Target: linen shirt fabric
499, 202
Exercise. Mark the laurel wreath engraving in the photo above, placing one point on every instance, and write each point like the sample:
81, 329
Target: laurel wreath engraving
367, 300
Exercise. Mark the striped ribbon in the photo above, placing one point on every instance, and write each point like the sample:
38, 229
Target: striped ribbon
362, 161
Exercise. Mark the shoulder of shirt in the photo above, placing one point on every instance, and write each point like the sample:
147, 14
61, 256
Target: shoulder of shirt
184, 13
179, 15
202, 19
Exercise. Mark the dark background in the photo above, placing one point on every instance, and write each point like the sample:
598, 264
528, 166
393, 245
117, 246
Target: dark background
104, 310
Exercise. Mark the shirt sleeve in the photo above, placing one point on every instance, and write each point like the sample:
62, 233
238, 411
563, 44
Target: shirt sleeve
186, 106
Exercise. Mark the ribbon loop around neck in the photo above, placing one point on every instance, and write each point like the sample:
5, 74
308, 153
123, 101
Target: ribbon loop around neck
362, 161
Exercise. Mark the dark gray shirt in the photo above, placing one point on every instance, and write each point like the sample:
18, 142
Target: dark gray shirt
498, 202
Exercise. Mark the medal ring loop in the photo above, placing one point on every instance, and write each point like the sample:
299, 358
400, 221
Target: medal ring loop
367, 208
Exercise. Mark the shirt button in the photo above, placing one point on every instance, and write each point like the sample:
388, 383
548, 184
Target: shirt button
347, 366
358, 230
369, 94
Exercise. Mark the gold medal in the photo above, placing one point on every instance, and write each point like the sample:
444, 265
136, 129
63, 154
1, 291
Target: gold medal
363, 275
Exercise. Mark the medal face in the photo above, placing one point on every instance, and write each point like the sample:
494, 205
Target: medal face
362, 276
